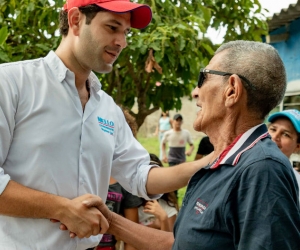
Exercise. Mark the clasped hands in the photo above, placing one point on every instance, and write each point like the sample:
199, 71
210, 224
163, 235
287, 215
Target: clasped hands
84, 216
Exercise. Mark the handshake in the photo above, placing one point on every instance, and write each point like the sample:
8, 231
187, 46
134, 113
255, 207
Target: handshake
84, 216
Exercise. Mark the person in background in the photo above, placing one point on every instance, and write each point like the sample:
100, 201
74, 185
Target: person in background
160, 214
164, 125
284, 129
177, 138
204, 148
246, 198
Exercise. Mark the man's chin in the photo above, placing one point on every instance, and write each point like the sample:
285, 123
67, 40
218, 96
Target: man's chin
197, 126
104, 69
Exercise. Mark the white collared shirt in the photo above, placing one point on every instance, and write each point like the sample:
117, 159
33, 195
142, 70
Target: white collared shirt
48, 143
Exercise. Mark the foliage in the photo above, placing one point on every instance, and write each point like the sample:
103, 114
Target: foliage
28, 28
176, 37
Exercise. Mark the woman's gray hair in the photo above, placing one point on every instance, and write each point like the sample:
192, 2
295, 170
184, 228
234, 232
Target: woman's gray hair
261, 64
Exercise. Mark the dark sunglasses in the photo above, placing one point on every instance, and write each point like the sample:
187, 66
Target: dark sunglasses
203, 73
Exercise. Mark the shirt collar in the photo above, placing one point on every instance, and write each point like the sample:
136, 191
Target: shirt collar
61, 71
245, 141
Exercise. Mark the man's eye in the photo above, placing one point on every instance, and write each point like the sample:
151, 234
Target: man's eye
112, 27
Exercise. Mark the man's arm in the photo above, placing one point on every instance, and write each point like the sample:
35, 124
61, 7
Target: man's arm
131, 214
140, 236
164, 180
137, 235
190, 142
164, 154
20, 201
190, 151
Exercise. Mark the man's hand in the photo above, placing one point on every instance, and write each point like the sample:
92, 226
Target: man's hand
165, 159
188, 153
81, 220
93, 202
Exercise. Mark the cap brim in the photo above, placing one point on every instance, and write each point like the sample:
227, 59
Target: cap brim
141, 15
293, 120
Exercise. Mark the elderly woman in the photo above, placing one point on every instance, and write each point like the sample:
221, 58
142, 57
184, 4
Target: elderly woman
284, 129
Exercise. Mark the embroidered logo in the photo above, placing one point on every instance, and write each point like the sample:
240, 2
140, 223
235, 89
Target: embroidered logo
106, 125
200, 206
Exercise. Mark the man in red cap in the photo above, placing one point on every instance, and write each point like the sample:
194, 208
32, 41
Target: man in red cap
62, 137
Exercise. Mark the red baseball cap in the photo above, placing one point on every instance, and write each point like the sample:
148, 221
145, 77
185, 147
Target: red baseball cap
141, 14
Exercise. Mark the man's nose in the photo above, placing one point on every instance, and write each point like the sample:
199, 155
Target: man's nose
195, 92
121, 41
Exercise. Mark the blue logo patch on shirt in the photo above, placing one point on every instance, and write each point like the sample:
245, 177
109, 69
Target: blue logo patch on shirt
106, 125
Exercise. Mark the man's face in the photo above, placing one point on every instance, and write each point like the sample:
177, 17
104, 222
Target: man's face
210, 98
100, 42
177, 123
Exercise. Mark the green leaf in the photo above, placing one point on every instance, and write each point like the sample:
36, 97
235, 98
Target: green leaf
3, 56
43, 46
182, 61
30, 7
181, 41
3, 35
155, 46
208, 48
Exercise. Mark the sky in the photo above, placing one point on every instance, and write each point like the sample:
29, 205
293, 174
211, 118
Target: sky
274, 6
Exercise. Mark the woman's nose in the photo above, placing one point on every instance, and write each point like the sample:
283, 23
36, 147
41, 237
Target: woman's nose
275, 136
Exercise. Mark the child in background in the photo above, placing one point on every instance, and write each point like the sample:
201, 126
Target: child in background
161, 213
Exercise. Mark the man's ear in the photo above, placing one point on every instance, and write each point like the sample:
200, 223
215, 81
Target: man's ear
233, 91
74, 19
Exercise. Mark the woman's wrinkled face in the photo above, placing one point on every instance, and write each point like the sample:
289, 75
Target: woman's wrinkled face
284, 135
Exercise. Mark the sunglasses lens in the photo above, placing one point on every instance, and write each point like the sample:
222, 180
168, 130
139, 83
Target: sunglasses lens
201, 79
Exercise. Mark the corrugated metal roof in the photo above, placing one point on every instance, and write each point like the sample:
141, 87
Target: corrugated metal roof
284, 17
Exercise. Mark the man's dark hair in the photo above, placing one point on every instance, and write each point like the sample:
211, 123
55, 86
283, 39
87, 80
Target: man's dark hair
90, 11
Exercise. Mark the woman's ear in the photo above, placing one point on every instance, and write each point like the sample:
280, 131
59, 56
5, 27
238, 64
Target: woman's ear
297, 149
